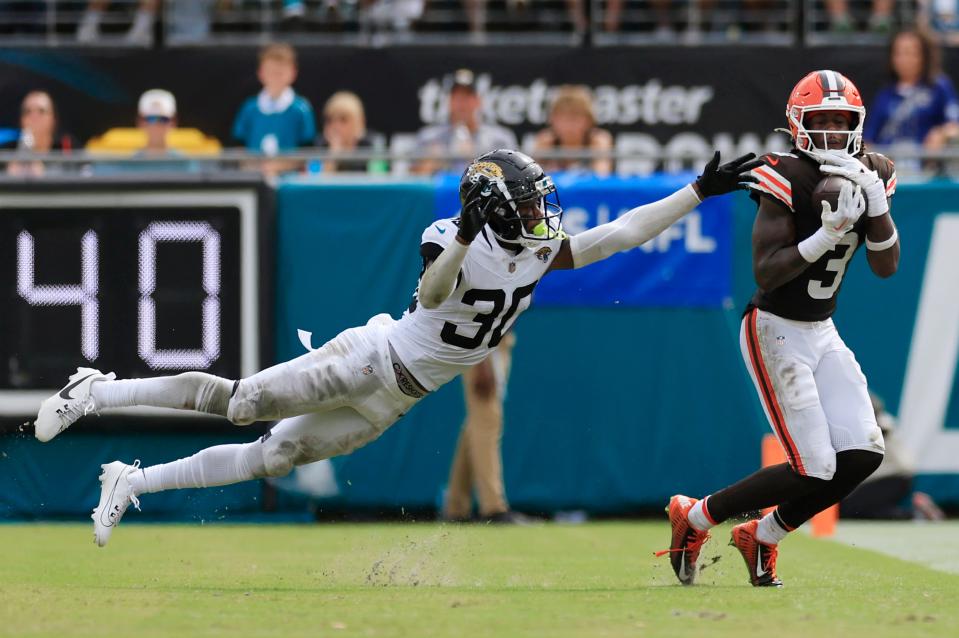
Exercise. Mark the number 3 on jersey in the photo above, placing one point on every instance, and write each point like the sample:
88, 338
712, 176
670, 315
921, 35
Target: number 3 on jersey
486, 319
820, 289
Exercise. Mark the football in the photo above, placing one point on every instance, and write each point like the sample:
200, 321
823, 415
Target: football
827, 189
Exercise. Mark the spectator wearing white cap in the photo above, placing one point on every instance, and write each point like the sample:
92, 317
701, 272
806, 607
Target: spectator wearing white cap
156, 116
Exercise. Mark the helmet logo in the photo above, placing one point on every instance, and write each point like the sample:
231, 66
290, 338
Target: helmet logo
486, 169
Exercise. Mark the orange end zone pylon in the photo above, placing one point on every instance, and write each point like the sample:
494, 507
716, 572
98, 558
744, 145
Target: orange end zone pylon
823, 523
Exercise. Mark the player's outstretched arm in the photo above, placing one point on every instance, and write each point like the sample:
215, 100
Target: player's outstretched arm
641, 224
439, 278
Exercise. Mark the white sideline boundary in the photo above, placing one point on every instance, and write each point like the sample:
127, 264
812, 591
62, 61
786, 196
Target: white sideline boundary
933, 545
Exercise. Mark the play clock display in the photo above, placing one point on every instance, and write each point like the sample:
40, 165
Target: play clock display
139, 283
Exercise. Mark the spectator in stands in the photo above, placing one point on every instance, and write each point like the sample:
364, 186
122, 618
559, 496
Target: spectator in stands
840, 19
665, 12
395, 15
156, 117
888, 493
38, 134
920, 106
189, 21
522, 11
141, 31
277, 119
465, 135
572, 127
942, 16
344, 131
478, 460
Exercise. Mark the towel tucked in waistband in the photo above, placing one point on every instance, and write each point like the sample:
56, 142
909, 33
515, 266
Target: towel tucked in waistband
404, 379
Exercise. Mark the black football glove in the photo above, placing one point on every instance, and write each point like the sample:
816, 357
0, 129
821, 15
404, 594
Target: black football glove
717, 180
481, 200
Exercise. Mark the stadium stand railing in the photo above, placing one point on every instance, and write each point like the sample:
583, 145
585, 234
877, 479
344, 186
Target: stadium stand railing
695, 22
473, 22
862, 24
912, 163
57, 23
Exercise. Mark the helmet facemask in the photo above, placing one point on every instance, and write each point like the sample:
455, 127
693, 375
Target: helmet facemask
813, 142
818, 92
530, 220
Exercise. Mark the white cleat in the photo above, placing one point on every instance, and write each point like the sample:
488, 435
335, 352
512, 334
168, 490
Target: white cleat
116, 495
69, 404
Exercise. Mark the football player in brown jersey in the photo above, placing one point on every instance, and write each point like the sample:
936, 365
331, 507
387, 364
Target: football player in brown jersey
811, 387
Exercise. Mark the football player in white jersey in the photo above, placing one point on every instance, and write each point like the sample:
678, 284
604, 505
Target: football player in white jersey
479, 272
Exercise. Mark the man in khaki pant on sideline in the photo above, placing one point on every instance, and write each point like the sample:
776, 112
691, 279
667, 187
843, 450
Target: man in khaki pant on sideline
478, 461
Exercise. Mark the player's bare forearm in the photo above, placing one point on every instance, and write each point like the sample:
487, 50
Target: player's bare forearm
775, 268
776, 259
563, 259
882, 251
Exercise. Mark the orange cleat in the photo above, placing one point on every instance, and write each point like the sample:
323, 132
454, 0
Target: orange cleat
760, 558
687, 541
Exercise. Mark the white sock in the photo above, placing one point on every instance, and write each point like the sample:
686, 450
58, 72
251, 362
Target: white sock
188, 391
769, 531
89, 28
218, 465
697, 516
143, 21
92, 16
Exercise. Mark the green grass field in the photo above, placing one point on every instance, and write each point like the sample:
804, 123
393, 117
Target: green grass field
440, 580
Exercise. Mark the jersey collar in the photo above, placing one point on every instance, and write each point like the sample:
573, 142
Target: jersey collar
269, 106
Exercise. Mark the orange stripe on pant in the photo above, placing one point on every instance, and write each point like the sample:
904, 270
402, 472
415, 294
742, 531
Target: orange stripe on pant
768, 394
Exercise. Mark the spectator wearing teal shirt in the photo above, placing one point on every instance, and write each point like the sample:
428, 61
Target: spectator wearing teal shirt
920, 107
277, 119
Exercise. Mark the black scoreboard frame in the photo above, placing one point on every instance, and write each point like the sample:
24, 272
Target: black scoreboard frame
247, 195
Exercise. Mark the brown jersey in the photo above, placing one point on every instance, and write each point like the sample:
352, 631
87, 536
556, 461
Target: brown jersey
789, 178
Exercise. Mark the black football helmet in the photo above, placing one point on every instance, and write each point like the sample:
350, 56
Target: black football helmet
529, 212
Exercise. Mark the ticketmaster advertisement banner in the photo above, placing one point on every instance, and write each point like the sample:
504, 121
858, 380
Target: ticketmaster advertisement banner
687, 265
678, 102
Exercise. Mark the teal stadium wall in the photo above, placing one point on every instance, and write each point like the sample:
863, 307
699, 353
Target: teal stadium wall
610, 409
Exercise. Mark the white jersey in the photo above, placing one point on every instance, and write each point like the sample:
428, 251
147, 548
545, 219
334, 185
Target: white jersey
494, 287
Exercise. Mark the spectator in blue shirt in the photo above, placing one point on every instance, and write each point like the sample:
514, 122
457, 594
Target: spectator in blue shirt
921, 106
277, 119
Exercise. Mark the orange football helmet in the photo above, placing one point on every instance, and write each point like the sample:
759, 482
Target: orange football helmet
824, 91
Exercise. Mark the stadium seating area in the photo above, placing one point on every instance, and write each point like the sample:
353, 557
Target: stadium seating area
389, 22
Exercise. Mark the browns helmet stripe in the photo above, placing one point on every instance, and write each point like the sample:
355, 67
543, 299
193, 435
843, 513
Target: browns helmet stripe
831, 83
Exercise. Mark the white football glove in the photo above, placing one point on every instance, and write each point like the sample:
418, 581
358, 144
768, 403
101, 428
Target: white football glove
835, 223
835, 163
849, 208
